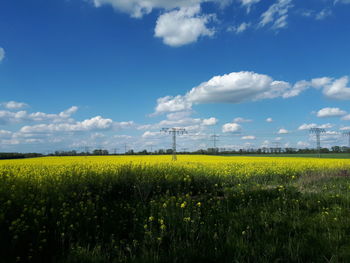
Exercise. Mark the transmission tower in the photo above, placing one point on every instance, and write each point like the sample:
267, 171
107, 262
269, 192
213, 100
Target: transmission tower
318, 132
125, 147
277, 147
215, 140
174, 132
347, 134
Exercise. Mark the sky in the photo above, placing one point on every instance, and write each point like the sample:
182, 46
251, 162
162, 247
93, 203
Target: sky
111, 74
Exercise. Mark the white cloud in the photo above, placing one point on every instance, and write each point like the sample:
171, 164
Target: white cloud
209, 122
95, 123
123, 136
2, 54
123, 125
337, 89
182, 26
330, 112
179, 115
265, 143
139, 8
347, 128
241, 120
283, 131
314, 125
248, 3
14, 105
235, 87
323, 14
277, 14
150, 134
342, 1
346, 118
303, 144
24, 116
249, 137
172, 104
331, 88
69, 112
269, 120
239, 29
231, 127
5, 134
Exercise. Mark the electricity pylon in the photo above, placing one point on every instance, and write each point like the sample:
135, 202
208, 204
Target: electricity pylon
318, 132
347, 133
215, 140
174, 132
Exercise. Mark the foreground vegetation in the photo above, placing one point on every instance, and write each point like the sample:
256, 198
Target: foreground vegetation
199, 209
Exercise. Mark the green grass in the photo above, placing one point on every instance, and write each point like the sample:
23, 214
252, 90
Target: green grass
173, 214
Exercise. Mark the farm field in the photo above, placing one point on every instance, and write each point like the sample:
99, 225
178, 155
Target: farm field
198, 209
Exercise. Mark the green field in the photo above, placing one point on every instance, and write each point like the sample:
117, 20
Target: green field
198, 209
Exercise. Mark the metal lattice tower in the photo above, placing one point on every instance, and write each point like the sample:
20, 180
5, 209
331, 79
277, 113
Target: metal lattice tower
174, 132
277, 146
348, 135
318, 132
215, 140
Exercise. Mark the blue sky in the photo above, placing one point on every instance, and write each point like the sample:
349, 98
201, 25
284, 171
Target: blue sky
102, 73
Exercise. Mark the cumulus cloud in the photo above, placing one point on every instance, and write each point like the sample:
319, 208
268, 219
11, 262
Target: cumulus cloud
269, 120
248, 137
346, 118
347, 128
139, 8
182, 26
23, 116
241, 120
231, 127
277, 14
330, 112
337, 89
314, 125
283, 131
95, 123
14, 105
172, 104
331, 88
2, 54
151, 134
5, 134
210, 122
235, 87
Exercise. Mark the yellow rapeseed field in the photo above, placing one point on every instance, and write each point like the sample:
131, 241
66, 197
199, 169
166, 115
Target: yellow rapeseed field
224, 166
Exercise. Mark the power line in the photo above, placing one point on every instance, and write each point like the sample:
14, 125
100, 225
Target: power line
125, 147
318, 132
215, 139
347, 133
174, 132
